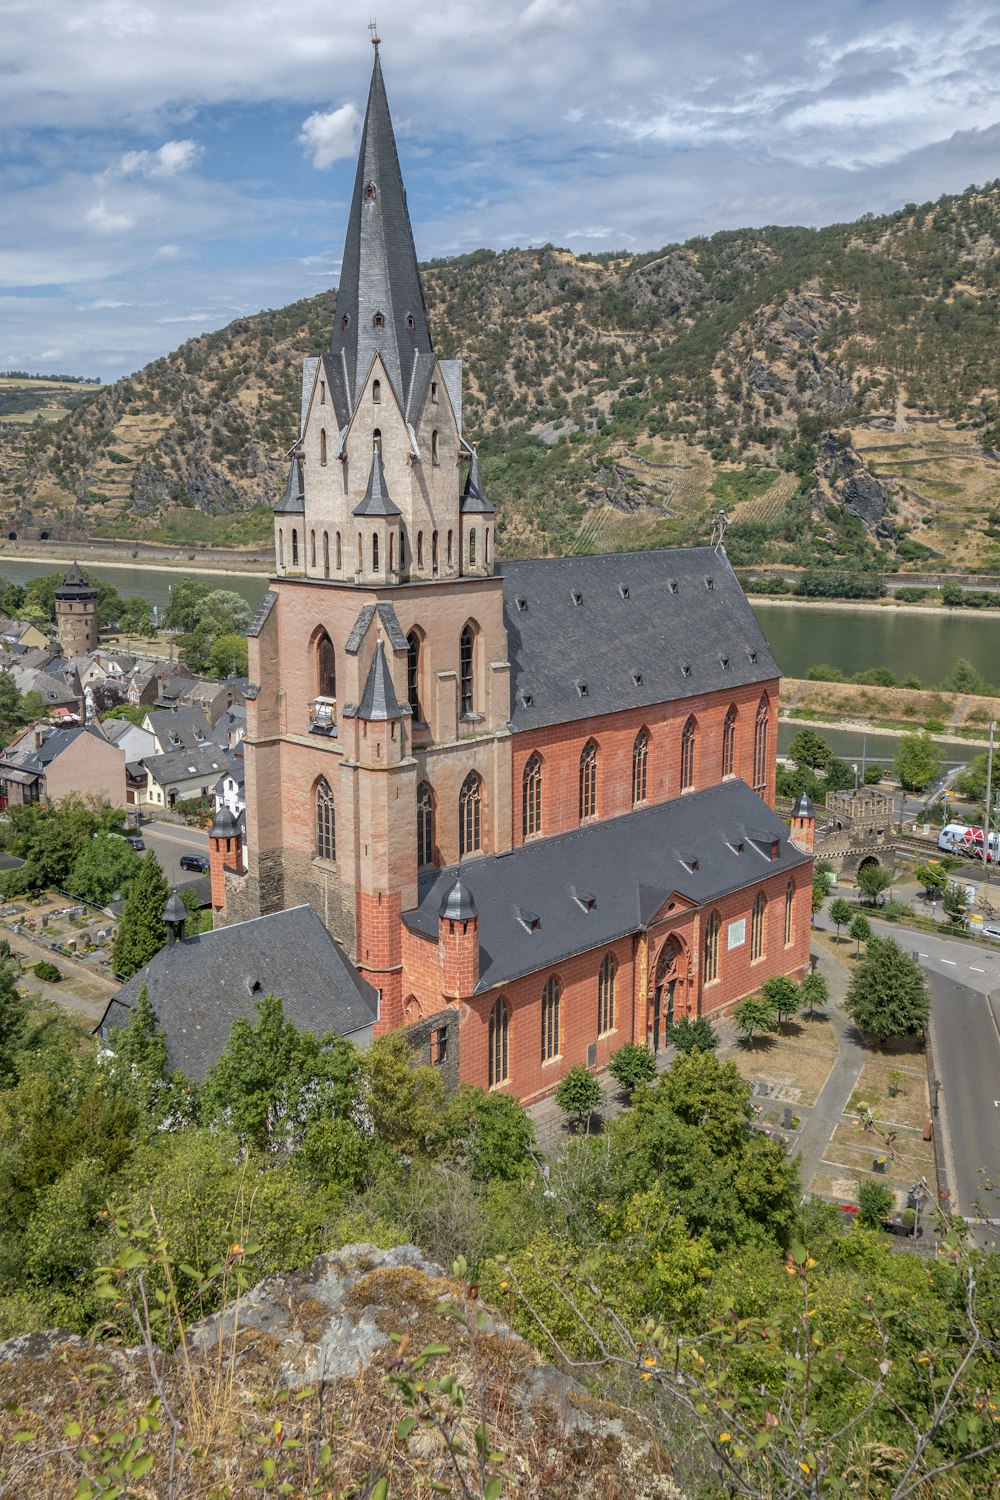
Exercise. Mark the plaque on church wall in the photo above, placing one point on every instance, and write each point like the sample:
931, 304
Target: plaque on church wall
738, 933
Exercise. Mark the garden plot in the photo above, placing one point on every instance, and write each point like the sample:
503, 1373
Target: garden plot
909, 1106
795, 1062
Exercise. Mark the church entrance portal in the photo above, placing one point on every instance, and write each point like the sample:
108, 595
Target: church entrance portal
669, 969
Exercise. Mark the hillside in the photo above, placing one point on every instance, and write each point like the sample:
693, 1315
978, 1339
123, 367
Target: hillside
836, 390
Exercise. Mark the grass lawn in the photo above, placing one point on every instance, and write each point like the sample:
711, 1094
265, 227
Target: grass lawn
911, 1106
797, 1059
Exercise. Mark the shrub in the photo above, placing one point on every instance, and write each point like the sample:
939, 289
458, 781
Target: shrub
686, 1035
875, 1203
47, 971
578, 1095
631, 1065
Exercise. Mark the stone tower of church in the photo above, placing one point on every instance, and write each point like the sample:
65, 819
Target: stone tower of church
76, 614
379, 653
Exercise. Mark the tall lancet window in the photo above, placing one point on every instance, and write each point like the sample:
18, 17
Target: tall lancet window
760, 730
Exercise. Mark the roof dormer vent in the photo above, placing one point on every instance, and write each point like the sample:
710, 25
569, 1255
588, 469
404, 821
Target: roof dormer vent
672, 585
637, 678
584, 899
710, 583
581, 688
529, 920
724, 663
686, 669
522, 605
623, 590
577, 597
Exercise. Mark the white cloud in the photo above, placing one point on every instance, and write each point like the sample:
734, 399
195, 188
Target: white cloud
107, 222
47, 354
167, 252
328, 137
542, 13
172, 157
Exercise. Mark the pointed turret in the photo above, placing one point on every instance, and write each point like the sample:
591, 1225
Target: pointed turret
378, 701
377, 501
293, 501
380, 304
474, 501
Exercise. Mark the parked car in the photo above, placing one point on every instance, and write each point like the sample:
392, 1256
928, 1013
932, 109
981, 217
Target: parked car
135, 842
194, 862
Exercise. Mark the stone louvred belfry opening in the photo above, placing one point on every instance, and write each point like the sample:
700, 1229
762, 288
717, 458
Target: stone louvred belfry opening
535, 809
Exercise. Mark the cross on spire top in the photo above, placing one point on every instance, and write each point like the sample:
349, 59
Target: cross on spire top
374, 31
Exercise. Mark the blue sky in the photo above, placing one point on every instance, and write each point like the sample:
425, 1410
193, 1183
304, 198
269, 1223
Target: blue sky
166, 165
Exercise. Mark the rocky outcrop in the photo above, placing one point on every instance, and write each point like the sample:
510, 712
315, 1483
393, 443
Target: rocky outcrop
323, 1356
854, 486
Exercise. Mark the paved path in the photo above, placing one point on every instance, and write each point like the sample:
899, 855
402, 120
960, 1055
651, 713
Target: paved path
824, 1117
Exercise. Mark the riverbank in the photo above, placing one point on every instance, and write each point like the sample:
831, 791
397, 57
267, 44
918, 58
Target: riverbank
260, 568
872, 606
896, 711
258, 562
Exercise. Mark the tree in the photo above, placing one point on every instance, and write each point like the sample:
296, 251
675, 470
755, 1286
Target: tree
141, 1045
14, 1011
861, 931
687, 1034
15, 710
918, 761
841, 912
578, 1094
814, 992
782, 994
839, 775
876, 1202
272, 1081
971, 780
400, 1101
632, 1065
810, 750
49, 839
186, 597
888, 994
228, 656
955, 905
141, 933
932, 878
755, 1014
820, 890
135, 616
104, 868
872, 881
491, 1132
223, 612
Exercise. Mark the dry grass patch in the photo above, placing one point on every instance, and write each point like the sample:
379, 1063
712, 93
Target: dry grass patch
798, 1071
911, 1105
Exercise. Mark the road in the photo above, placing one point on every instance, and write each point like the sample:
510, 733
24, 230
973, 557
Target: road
169, 841
964, 980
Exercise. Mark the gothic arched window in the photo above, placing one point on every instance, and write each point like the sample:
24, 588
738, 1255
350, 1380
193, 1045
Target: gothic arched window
729, 742
712, 948
757, 928
472, 548
425, 824
312, 549
326, 554
789, 913
376, 391
531, 797
588, 781
326, 668
466, 678
322, 445
375, 554
413, 674
499, 1043
420, 549
551, 1005
295, 548
606, 995
434, 553
687, 754
435, 455
470, 815
760, 730
640, 761
326, 828
339, 552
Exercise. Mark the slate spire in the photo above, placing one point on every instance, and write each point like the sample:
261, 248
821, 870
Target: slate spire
380, 303
379, 701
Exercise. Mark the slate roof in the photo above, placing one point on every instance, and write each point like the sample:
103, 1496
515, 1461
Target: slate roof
179, 728
200, 986
76, 586
264, 608
596, 635
546, 901
293, 501
474, 501
390, 621
378, 701
179, 765
377, 501
379, 273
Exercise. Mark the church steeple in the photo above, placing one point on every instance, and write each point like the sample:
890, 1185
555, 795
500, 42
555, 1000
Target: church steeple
380, 304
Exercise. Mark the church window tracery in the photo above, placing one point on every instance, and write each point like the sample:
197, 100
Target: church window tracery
551, 1007
712, 948
499, 1043
425, 824
688, 739
326, 829
466, 671
640, 764
470, 815
588, 781
729, 742
760, 733
757, 928
606, 995
376, 391
789, 913
413, 675
531, 797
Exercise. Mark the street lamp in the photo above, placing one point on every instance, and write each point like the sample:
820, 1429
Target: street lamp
937, 1090
855, 778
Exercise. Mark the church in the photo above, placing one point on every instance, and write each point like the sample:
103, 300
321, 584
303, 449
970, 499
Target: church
533, 802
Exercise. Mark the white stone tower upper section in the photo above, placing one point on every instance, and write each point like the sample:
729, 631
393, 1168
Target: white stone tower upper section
375, 494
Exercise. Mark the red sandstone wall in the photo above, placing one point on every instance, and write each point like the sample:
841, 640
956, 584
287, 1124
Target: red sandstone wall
561, 746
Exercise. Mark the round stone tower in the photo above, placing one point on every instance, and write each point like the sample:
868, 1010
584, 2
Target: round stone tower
76, 614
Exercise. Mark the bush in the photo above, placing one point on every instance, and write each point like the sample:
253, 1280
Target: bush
578, 1095
47, 971
875, 1203
631, 1065
686, 1035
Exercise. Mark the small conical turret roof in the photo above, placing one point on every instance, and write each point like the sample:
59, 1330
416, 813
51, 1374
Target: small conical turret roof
380, 304
175, 910
379, 701
803, 807
76, 585
293, 501
377, 501
474, 501
224, 825
459, 904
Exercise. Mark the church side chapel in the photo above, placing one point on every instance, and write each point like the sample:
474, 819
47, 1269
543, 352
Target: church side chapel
532, 801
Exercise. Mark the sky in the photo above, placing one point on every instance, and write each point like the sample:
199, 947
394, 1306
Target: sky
169, 165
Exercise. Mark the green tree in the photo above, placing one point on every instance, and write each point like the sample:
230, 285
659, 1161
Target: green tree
876, 1202
490, 1132
16, 709
14, 1012
887, 995
49, 839
402, 1101
135, 616
752, 1016
578, 1094
186, 598
632, 1065
918, 761
141, 933
841, 912
963, 678
687, 1034
872, 881
810, 750
223, 612
932, 878
820, 890
814, 992
141, 1045
955, 905
272, 1081
104, 868
861, 931
782, 994
228, 656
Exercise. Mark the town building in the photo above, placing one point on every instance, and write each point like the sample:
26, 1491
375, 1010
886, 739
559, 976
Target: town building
534, 802
46, 764
76, 601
